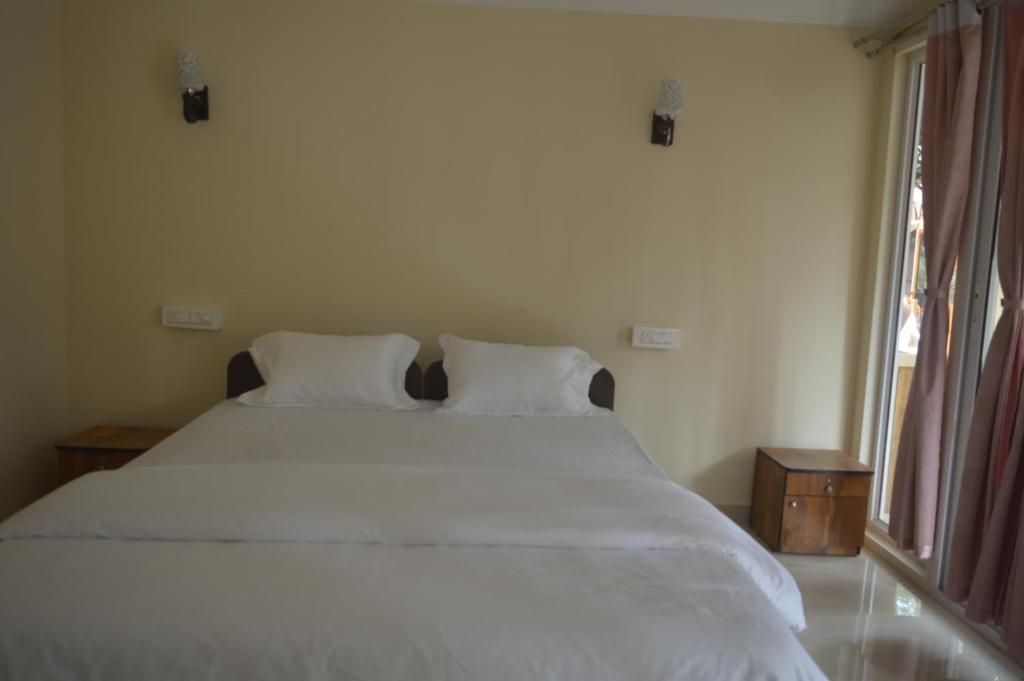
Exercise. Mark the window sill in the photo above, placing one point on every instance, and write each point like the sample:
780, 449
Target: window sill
907, 565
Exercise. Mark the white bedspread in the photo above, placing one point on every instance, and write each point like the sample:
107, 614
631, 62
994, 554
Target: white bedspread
534, 549
399, 506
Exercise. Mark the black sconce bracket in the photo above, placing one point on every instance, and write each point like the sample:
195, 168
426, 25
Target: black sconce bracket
196, 104
663, 131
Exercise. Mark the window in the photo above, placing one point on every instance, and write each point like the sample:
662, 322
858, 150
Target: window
897, 318
970, 328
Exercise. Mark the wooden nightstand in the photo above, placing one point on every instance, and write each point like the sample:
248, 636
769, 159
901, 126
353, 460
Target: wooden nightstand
810, 501
104, 448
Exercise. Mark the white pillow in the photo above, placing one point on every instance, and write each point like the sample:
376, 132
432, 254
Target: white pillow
304, 369
516, 380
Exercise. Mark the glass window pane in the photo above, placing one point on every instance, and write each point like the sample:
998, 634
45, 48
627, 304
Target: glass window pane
909, 300
994, 308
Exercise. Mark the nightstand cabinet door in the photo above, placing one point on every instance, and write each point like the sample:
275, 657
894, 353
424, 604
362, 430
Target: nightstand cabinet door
825, 525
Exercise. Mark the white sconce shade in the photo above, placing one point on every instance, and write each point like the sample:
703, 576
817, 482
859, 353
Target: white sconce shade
670, 103
188, 76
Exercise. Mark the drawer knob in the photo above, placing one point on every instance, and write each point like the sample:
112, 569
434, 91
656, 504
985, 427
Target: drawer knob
829, 490
793, 504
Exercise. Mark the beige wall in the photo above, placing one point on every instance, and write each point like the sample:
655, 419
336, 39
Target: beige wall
877, 280
33, 393
374, 166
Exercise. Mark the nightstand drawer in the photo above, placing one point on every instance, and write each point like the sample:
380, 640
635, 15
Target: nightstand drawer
828, 484
76, 462
103, 448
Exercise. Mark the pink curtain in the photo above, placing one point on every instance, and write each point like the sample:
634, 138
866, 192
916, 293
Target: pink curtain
952, 71
986, 565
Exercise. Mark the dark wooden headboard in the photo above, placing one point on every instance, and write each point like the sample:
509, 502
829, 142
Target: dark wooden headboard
243, 376
602, 387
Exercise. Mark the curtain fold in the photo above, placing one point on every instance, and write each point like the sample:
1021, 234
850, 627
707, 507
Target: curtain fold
952, 71
986, 564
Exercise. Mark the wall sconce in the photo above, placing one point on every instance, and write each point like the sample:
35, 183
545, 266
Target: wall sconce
195, 98
670, 105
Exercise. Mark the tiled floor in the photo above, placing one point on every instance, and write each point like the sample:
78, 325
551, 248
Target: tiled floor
863, 624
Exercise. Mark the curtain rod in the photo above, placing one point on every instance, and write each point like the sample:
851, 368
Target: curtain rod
915, 24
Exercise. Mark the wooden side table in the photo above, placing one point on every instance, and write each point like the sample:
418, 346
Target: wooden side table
104, 448
810, 501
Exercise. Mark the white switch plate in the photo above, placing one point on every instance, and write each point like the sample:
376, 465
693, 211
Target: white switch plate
192, 318
658, 339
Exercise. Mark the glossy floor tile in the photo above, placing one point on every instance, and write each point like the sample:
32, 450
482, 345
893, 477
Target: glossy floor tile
864, 624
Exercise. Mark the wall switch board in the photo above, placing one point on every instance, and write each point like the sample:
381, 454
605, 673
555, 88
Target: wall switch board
657, 339
192, 318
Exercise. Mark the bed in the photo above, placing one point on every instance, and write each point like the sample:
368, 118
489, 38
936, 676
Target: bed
302, 543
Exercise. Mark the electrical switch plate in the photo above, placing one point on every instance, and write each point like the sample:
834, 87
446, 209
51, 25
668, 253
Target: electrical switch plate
658, 339
192, 318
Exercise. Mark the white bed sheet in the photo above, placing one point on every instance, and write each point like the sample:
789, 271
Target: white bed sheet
140, 610
234, 433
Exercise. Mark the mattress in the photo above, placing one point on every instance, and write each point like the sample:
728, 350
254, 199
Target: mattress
341, 544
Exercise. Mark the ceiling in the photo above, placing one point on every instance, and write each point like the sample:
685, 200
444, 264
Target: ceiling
838, 12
